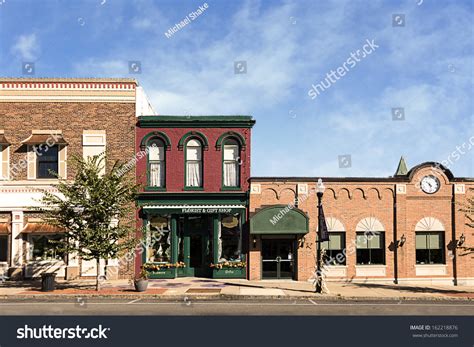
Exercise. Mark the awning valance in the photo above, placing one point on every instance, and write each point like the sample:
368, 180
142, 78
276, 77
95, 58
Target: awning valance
193, 209
5, 228
41, 228
36, 139
3, 140
279, 219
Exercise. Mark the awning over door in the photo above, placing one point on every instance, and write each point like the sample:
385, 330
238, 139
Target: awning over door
279, 219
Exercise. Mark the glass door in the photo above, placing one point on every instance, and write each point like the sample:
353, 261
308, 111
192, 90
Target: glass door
195, 248
277, 259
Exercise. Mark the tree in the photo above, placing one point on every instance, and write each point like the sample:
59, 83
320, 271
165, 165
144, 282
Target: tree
468, 209
95, 210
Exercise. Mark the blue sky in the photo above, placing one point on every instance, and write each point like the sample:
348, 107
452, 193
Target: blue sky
424, 67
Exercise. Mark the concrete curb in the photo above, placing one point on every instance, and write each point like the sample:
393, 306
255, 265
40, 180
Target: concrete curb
229, 297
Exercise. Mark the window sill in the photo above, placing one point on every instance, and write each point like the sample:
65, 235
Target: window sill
231, 188
159, 189
431, 269
193, 188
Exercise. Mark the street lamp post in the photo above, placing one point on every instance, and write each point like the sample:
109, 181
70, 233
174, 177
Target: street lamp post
321, 224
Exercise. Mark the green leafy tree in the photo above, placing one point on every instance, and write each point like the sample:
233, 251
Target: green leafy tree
95, 210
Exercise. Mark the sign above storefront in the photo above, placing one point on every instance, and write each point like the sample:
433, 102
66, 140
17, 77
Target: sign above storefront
195, 209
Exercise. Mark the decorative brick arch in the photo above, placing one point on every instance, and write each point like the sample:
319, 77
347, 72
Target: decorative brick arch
193, 135
155, 135
233, 135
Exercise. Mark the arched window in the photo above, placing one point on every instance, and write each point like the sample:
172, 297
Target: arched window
230, 165
370, 242
156, 163
193, 163
429, 241
335, 254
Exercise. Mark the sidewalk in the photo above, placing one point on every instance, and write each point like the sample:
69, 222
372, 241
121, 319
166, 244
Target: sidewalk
233, 288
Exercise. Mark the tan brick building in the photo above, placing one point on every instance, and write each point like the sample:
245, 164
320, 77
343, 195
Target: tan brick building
66, 116
416, 231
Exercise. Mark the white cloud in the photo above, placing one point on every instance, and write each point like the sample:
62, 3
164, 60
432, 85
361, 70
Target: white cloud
26, 47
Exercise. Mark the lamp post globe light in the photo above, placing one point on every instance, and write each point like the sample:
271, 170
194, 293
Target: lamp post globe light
320, 235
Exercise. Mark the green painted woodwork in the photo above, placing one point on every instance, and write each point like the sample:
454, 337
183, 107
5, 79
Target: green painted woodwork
163, 273
231, 134
229, 273
156, 134
196, 135
402, 168
168, 121
279, 219
192, 198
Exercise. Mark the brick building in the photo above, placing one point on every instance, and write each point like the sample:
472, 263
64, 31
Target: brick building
43, 122
405, 228
195, 197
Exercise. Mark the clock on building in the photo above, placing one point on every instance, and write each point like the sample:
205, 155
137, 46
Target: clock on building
430, 184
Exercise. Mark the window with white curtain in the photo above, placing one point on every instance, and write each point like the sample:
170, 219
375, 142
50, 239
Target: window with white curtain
156, 163
231, 165
193, 163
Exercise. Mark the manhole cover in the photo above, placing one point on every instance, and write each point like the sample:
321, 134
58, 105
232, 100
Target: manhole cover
203, 291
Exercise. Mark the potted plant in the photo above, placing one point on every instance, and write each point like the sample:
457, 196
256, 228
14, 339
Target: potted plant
141, 282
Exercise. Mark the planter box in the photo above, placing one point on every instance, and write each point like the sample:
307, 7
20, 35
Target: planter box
229, 273
163, 273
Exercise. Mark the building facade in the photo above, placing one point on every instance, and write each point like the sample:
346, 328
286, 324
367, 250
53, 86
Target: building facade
405, 228
193, 207
43, 123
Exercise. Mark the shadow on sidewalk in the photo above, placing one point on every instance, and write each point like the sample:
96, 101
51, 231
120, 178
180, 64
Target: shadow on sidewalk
407, 288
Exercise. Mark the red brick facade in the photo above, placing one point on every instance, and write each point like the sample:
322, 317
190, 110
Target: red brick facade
398, 203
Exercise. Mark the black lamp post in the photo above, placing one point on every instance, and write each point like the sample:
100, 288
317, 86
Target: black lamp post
322, 235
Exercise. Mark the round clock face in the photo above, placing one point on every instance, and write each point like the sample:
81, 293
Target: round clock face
430, 184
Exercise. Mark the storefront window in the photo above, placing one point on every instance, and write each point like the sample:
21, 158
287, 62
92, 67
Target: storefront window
3, 247
334, 247
230, 238
46, 247
159, 250
370, 248
429, 248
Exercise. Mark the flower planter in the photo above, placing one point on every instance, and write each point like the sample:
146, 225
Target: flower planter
141, 285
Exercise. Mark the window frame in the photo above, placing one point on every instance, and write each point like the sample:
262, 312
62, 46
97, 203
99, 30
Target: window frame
223, 161
384, 255
36, 149
443, 252
149, 162
330, 251
32, 248
201, 186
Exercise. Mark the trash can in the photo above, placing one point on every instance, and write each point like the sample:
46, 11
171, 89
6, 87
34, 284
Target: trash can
48, 282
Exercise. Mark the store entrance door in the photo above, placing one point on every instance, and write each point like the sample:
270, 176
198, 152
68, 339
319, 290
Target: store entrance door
278, 258
196, 249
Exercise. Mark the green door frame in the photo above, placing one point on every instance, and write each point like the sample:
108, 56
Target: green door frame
204, 270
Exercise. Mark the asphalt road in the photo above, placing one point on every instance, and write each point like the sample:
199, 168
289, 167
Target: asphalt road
84, 306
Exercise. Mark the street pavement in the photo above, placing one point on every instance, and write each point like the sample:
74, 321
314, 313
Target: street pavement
191, 307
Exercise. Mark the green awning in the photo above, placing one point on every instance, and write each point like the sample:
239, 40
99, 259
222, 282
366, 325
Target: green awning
279, 219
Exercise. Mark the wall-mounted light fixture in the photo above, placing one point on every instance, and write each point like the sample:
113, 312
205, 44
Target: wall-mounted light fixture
402, 241
254, 241
461, 240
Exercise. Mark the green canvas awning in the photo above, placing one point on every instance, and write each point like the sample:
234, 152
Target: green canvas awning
279, 219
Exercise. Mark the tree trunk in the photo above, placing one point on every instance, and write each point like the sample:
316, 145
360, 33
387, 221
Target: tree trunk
97, 278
